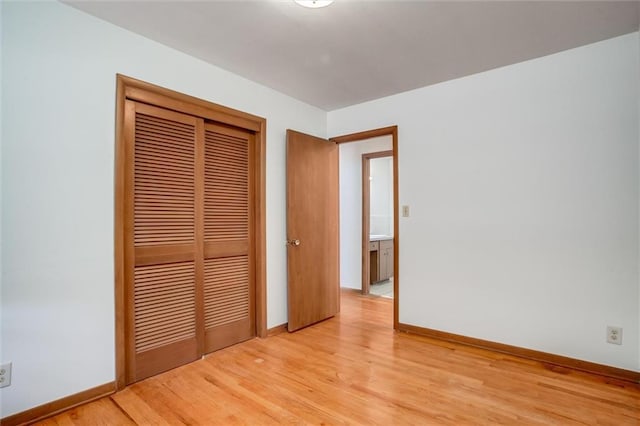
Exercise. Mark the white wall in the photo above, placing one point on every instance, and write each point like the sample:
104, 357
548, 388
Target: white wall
351, 206
1, 207
58, 76
381, 196
523, 187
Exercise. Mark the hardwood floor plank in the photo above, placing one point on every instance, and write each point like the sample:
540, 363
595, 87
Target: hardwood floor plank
102, 412
49, 422
354, 369
137, 408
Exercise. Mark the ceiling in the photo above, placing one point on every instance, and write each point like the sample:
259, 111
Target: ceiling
355, 50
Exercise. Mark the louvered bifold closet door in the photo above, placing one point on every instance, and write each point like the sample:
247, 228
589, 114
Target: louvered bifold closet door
162, 318
228, 273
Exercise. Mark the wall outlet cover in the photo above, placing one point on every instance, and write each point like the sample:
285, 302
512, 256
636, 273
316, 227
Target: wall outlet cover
5, 375
614, 335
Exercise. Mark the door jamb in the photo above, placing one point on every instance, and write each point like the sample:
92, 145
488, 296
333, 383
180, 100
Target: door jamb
366, 210
130, 88
368, 134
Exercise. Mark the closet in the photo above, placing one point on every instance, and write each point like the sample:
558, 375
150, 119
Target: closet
188, 227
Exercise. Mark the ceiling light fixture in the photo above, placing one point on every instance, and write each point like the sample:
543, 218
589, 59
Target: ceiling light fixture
314, 4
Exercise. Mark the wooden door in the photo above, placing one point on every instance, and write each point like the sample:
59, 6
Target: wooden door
229, 291
386, 260
382, 264
163, 325
189, 252
312, 229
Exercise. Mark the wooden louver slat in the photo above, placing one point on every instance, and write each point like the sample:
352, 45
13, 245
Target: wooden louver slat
165, 309
226, 290
164, 181
226, 187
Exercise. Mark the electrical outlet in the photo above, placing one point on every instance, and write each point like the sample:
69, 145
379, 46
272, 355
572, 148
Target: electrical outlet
5, 375
614, 335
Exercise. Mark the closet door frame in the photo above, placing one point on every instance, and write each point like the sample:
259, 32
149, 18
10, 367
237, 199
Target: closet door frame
128, 88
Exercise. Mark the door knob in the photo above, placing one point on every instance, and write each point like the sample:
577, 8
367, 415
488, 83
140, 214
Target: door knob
293, 242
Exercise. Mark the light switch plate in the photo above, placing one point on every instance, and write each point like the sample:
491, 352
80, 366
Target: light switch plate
405, 211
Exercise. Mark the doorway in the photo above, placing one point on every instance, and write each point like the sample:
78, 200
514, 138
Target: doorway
363, 232
377, 223
314, 224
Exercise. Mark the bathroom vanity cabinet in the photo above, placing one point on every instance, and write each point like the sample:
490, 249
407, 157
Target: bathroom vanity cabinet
380, 259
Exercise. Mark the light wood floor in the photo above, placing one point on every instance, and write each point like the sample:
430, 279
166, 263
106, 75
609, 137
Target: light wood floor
353, 369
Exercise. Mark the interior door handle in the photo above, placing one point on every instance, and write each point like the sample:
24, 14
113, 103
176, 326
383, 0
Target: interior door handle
293, 242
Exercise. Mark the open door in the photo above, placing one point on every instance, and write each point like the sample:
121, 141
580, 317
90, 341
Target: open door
312, 229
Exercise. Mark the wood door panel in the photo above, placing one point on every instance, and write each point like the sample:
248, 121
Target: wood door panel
226, 335
226, 193
154, 361
164, 314
226, 290
164, 187
152, 255
162, 294
386, 259
229, 293
225, 248
228, 301
313, 219
374, 269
